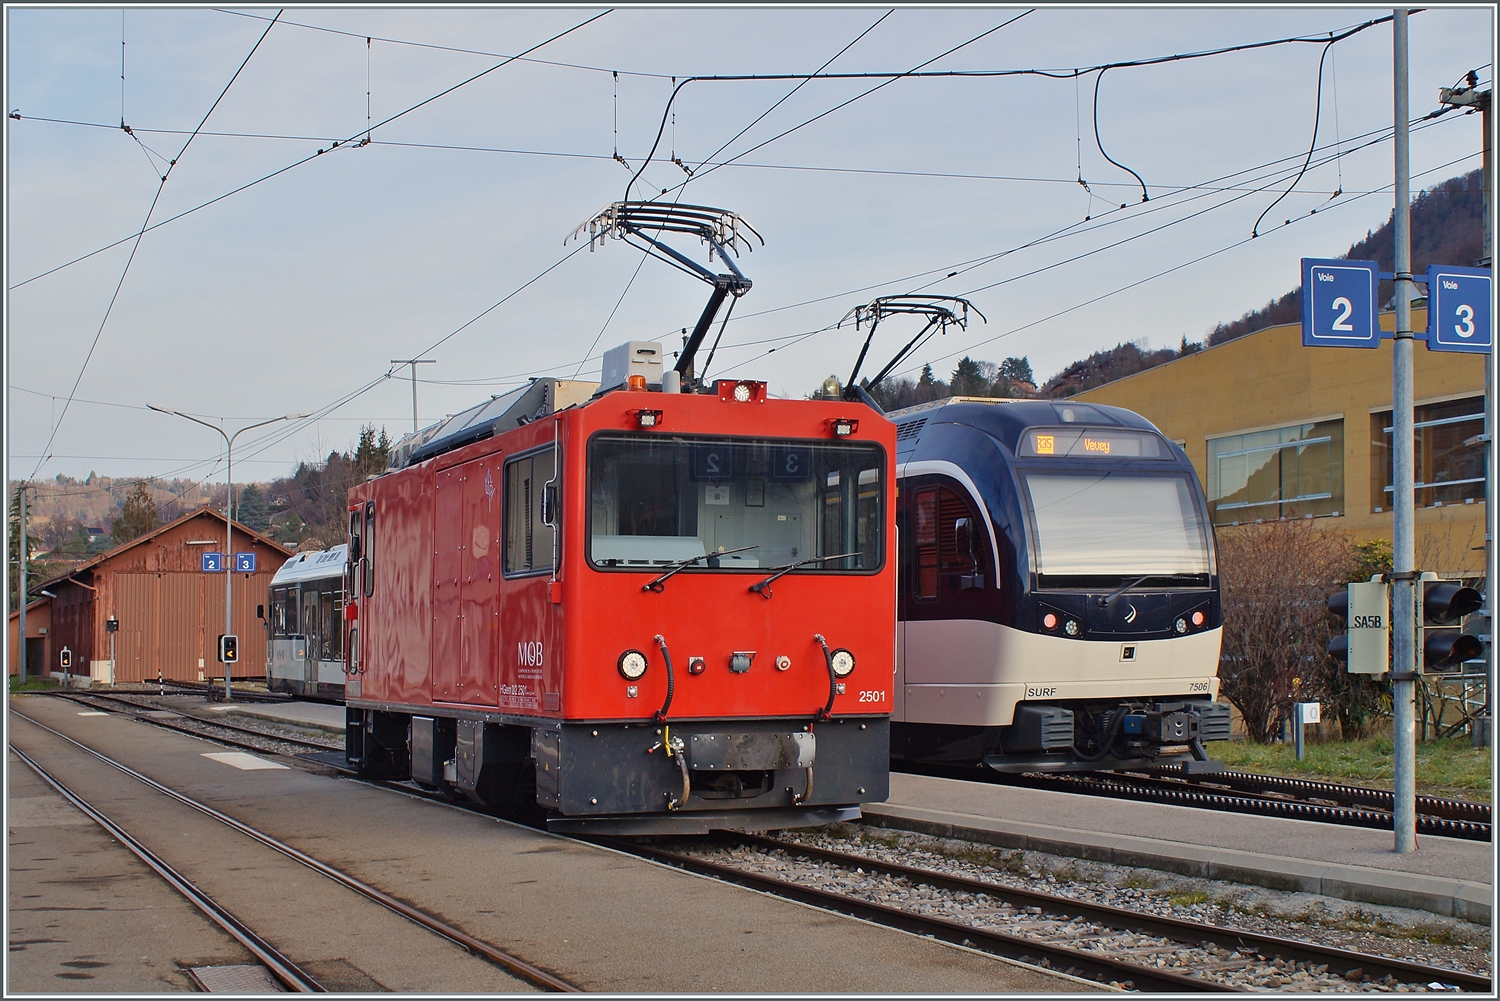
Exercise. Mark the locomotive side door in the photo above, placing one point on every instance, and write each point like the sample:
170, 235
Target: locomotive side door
479, 575
447, 644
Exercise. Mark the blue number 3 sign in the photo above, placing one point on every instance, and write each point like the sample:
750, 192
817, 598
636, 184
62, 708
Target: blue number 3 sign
1458, 314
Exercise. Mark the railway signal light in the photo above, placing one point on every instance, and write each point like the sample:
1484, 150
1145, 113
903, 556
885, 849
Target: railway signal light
1365, 645
65, 656
229, 649
1442, 646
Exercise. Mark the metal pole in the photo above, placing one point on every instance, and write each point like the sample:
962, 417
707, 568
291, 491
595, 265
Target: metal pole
1403, 605
228, 510
1482, 734
228, 550
21, 599
413, 362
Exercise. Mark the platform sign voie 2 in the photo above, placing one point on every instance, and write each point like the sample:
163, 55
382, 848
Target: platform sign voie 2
1458, 309
1339, 308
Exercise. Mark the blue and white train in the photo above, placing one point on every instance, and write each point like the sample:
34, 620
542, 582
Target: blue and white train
305, 648
1059, 598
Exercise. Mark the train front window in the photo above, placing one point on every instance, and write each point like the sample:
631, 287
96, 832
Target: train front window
1098, 529
655, 501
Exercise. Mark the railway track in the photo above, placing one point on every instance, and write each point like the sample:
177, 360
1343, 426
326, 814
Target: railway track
1054, 926
1182, 793
283, 969
145, 713
1202, 958
1244, 792
1343, 795
214, 691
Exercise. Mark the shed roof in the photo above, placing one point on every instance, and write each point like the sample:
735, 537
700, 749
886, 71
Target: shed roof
202, 512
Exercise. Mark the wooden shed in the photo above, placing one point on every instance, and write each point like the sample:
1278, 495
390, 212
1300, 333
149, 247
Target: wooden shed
170, 611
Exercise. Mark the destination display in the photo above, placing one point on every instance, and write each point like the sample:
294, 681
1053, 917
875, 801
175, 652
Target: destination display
1091, 443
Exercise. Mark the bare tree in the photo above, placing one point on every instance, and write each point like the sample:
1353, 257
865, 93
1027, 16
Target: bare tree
1276, 579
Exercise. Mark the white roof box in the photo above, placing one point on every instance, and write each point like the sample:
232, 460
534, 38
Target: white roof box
632, 358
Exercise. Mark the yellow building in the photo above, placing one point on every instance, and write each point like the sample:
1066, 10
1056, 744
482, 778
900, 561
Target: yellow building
1278, 430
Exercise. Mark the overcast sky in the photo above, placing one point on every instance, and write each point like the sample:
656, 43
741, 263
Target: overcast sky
295, 294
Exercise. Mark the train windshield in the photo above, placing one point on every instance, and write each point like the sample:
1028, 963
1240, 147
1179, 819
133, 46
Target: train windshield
1104, 528
738, 504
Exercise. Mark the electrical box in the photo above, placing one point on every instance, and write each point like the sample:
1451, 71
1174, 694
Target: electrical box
632, 358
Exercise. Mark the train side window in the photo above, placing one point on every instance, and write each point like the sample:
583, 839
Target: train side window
529, 539
925, 539
331, 635
369, 546
948, 539
310, 619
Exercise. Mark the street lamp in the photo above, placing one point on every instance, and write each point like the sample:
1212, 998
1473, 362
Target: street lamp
228, 512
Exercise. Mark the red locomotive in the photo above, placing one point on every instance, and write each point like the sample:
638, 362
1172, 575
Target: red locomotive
643, 608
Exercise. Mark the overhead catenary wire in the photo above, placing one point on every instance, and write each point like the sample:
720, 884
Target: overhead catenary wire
890, 78
1312, 145
308, 159
918, 72
125, 271
1321, 38
1178, 267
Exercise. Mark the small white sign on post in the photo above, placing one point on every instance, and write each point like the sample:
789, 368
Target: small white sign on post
1309, 712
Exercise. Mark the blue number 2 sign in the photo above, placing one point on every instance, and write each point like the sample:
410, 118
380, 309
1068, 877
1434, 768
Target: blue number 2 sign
1338, 304
1458, 314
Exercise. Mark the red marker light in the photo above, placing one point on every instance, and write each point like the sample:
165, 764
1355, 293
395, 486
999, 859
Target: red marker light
1049, 621
1199, 618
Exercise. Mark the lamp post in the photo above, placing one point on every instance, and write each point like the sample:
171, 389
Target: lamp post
228, 512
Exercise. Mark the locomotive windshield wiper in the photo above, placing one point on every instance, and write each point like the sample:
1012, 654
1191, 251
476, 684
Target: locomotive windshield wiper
681, 565
764, 587
1141, 580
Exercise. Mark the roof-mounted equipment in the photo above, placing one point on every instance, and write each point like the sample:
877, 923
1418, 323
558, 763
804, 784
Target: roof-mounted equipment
941, 312
643, 224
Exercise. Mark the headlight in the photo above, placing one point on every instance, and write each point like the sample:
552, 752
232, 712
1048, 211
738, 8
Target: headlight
843, 663
742, 393
632, 665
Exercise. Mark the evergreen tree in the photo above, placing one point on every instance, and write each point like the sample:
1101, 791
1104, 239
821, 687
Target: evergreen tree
136, 518
371, 454
253, 511
33, 570
1017, 370
969, 378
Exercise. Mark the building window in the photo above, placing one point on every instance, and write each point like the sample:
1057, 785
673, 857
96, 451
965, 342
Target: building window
1289, 472
1449, 466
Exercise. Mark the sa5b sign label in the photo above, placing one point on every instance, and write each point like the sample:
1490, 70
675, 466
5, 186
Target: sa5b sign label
1338, 303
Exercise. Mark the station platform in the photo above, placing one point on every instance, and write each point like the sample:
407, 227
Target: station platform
1446, 876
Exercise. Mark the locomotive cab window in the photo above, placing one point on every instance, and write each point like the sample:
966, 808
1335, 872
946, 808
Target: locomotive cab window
528, 535
735, 504
947, 542
369, 545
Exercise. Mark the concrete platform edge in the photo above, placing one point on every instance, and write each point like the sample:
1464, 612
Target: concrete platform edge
1457, 898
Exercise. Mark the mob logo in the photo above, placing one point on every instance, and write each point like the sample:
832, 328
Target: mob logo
530, 654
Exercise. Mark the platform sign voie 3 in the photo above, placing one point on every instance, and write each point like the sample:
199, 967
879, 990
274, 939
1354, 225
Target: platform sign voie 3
1339, 308
1458, 315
